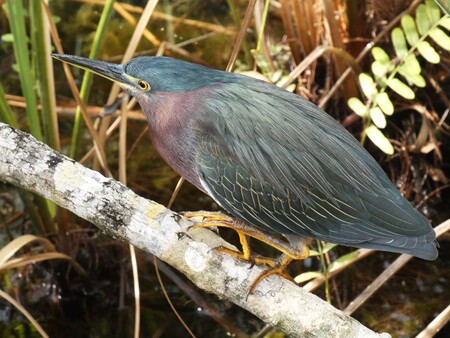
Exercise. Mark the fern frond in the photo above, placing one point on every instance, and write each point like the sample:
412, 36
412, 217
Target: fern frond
409, 40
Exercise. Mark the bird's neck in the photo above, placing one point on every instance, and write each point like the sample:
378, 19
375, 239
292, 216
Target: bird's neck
170, 119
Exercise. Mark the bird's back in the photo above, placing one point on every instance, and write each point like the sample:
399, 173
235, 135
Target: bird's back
278, 162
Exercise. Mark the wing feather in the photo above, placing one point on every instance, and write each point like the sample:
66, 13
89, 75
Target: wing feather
287, 167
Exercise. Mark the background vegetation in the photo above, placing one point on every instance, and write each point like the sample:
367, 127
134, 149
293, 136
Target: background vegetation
380, 67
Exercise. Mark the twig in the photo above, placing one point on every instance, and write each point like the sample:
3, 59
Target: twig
437, 324
387, 274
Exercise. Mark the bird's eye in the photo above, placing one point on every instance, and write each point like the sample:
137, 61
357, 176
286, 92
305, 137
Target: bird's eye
143, 85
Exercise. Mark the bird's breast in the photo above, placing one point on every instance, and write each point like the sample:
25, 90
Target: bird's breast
171, 118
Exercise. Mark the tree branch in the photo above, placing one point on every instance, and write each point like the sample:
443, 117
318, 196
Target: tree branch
121, 213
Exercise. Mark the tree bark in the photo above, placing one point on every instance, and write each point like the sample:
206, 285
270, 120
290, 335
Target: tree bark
125, 216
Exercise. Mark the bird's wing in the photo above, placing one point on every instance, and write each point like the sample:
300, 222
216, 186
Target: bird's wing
276, 161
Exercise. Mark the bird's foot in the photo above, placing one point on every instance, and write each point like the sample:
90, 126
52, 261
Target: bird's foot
295, 249
215, 219
253, 259
208, 217
279, 268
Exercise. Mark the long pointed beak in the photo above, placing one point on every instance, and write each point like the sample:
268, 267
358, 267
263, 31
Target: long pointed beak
111, 71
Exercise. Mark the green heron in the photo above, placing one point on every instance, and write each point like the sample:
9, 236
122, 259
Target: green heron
270, 158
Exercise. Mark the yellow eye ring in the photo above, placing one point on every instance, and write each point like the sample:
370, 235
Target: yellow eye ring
143, 85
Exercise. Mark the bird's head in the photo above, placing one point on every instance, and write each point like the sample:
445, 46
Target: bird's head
146, 75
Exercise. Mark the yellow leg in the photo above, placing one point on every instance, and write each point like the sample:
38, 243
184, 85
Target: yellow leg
246, 253
208, 216
260, 235
291, 251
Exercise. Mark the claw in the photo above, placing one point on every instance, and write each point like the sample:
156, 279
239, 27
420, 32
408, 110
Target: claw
277, 269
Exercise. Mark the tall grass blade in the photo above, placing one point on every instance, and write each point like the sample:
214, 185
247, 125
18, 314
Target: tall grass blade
87, 78
17, 25
44, 71
6, 114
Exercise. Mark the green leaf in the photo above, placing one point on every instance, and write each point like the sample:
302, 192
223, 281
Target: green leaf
385, 103
409, 27
380, 70
56, 19
445, 22
380, 55
422, 19
401, 88
411, 64
410, 69
441, 38
377, 116
22, 53
291, 87
416, 79
357, 106
6, 113
327, 247
368, 86
428, 52
399, 42
342, 260
433, 11
378, 138
307, 276
16, 68
8, 37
